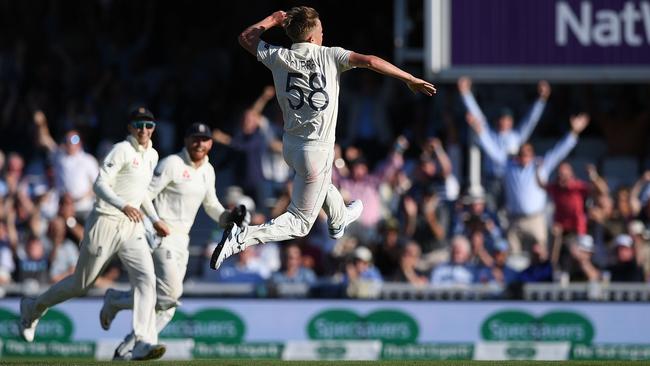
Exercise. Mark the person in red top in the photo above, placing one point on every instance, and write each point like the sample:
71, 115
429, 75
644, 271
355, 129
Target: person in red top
568, 194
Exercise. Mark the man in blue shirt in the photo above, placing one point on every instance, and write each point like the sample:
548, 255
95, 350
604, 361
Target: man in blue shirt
506, 135
525, 199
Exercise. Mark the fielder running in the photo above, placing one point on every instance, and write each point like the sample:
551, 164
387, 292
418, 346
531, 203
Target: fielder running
182, 182
115, 227
306, 79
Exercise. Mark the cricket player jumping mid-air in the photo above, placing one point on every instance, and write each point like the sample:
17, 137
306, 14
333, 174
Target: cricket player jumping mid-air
306, 79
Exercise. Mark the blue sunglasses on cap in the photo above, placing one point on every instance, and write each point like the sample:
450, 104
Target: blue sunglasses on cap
138, 125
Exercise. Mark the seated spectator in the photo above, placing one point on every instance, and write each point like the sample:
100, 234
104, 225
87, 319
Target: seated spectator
407, 270
475, 217
33, 261
362, 279
74, 228
63, 252
540, 268
581, 267
292, 270
626, 268
458, 271
498, 272
246, 269
7, 265
387, 252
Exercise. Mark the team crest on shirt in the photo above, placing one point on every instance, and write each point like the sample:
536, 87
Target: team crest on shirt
135, 163
186, 174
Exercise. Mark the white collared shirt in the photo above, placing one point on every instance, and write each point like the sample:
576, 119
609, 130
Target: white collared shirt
179, 187
124, 176
75, 175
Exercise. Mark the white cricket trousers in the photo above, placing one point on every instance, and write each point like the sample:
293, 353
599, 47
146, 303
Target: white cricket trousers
104, 237
170, 262
312, 190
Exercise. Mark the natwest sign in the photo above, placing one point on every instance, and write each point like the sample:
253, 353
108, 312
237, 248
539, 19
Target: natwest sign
557, 39
627, 26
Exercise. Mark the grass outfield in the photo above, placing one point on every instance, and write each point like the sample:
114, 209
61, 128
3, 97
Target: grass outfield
46, 362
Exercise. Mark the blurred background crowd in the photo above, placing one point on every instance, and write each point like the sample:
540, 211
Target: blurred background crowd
547, 206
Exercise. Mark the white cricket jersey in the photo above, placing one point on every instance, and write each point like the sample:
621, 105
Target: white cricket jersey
124, 176
306, 79
180, 187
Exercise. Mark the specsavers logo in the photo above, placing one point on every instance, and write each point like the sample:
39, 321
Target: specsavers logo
211, 325
516, 325
54, 326
390, 326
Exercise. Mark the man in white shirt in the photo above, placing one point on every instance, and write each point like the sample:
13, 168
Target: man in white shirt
115, 227
181, 184
306, 79
74, 169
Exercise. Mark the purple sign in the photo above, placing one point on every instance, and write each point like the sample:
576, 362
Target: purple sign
550, 32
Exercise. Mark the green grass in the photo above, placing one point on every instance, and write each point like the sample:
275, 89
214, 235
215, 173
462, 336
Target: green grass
68, 362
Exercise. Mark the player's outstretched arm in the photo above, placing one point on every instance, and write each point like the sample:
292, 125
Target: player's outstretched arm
250, 37
382, 66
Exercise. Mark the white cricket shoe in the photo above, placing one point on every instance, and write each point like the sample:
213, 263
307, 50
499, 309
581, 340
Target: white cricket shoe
146, 351
227, 246
108, 312
28, 318
352, 213
124, 349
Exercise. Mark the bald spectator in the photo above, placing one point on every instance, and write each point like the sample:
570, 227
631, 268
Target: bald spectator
458, 271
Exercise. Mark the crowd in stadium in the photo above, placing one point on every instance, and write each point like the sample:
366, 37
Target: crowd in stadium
531, 218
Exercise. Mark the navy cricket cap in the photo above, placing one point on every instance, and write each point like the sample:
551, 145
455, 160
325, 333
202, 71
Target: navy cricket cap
199, 129
141, 114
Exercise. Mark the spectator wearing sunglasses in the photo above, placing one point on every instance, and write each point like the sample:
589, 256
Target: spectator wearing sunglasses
75, 170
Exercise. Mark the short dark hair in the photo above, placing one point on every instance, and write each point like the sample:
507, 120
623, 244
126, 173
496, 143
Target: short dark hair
300, 21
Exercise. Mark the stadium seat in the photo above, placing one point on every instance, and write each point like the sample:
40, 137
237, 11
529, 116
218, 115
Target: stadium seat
590, 147
620, 170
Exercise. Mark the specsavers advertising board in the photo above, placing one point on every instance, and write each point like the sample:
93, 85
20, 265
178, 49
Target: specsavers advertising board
405, 330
